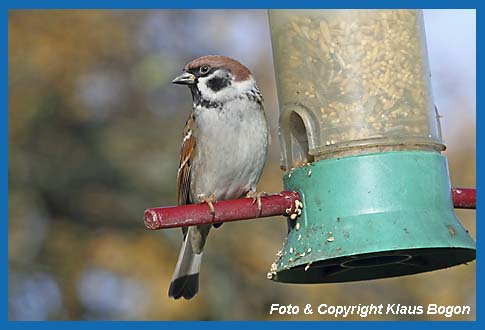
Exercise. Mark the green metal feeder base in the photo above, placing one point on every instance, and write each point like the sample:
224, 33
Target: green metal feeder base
372, 216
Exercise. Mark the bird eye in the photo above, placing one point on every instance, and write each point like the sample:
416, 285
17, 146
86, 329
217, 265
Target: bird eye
204, 69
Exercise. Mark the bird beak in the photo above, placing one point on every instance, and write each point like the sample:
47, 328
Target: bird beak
185, 78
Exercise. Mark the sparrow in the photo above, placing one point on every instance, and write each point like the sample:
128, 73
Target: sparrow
223, 151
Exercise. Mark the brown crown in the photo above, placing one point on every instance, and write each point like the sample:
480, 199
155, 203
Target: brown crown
239, 71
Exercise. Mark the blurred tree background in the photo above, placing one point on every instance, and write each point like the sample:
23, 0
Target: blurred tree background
94, 138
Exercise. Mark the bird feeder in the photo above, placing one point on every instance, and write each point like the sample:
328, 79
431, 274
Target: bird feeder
361, 144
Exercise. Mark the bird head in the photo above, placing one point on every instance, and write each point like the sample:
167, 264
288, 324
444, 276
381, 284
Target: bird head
216, 78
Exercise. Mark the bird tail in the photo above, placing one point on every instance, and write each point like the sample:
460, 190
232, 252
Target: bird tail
185, 280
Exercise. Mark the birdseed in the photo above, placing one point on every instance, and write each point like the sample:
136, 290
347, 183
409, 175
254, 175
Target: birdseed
364, 71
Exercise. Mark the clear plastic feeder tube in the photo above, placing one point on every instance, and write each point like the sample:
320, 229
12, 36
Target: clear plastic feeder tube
351, 81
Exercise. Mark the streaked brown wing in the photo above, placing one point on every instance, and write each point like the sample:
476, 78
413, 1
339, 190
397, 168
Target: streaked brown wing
186, 157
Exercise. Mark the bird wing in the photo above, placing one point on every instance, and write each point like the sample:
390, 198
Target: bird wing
186, 157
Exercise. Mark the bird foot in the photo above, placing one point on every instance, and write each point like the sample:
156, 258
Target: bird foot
209, 201
256, 196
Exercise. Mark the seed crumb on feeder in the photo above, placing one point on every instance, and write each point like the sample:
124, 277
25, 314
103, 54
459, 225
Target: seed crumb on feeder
293, 216
307, 267
292, 250
299, 237
330, 239
297, 227
272, 271
309, 250
271, 276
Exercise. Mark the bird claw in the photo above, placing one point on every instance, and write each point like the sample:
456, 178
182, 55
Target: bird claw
256, 196
209, 201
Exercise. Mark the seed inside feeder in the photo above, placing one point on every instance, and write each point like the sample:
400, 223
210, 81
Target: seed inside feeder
365, 73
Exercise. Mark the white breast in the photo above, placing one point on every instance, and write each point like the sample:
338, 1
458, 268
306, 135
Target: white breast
231, 150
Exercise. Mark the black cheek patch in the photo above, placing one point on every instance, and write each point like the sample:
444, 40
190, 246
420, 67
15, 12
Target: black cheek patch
218, 83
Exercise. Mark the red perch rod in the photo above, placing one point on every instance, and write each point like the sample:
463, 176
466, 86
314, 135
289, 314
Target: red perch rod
284, 203
229, 210
464, 198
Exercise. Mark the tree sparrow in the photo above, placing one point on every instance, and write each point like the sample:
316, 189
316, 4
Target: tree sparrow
223, 151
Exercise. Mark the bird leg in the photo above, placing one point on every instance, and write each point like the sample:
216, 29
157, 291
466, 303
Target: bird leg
256, 196
209, 200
